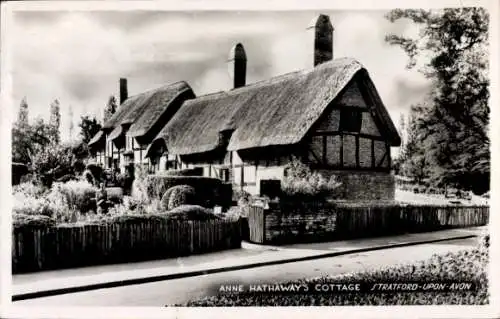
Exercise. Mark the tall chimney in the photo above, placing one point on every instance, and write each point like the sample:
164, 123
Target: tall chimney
237, 64
123, 90
322, 30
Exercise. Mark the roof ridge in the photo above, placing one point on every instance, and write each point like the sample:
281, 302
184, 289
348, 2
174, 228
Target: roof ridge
158, 88
274, 79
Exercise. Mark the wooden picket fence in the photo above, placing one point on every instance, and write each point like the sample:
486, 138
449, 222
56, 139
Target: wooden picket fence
299, 223
39, 247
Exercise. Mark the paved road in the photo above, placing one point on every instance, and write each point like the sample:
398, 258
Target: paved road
182, 290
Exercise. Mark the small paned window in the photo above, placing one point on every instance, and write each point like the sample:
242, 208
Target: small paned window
350, 120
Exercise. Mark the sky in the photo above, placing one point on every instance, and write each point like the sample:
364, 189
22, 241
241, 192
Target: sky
78, 57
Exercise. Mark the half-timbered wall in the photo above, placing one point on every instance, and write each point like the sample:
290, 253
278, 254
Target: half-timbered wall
347, 136
346, 139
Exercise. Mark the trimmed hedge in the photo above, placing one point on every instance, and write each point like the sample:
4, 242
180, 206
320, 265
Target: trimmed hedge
181, 195
198, 171
464, 266
21, 220
191, 212
207, 188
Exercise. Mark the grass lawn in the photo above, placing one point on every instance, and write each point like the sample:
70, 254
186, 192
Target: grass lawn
425, 199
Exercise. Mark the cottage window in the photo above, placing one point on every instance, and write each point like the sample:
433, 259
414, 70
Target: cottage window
350, 120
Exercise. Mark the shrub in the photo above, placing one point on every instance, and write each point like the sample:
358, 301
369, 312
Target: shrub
236, 212
114, 194
206, 188
191, 212
181, 195
302, 184
62, 203
166, 198
20, 220
79, 196
29, 189
140, 185
242, 197
52, 162
66, 178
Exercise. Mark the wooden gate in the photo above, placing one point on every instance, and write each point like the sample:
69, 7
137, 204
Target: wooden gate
256, 224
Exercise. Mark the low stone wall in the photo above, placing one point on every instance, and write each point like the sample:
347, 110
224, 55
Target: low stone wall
364, 185
308, 222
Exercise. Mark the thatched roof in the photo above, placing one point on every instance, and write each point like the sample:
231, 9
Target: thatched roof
133, 111
117, 132
160, 101
278, 111
97, 138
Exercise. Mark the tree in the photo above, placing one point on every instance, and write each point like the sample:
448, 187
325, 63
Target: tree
22, 116
110, 108
27, 140
89, 126
71, 125
452, 126
55, 119
21, 136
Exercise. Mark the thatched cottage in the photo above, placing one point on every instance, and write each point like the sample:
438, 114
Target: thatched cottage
126, 135
329, 116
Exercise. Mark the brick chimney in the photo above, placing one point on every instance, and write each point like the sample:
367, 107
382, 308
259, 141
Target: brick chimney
322, 32
123, 90
237, 64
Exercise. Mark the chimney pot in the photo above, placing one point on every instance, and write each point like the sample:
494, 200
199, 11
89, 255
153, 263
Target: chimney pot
237, 65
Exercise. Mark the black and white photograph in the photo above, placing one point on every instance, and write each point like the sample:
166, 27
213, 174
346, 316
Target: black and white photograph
187, 157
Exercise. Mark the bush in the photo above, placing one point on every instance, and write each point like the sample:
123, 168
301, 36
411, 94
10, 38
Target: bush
63, 202
191, 212
206, 188
181, 195
302, 184
66, 178
166, 198
89, 178
114, 194
80, 196
29, 189
53, 162
468, 265
236, 212
140, 185
20, 220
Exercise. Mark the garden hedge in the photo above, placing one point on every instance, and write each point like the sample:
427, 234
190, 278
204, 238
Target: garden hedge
208, 189
198, 171
181, 195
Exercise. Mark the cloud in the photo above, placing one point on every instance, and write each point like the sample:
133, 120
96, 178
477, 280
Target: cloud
78, 57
